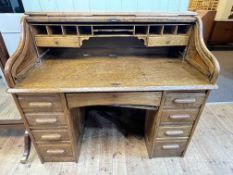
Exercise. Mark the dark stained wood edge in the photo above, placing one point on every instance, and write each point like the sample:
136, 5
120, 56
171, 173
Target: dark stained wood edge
4, 55
27, 147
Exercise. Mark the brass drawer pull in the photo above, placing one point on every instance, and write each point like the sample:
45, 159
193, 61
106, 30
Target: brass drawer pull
171, 146
55, 151
40, 104
185, 100
174, 133
180, 116
51, 137
46, 120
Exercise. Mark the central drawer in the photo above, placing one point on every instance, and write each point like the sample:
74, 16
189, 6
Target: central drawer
117, 98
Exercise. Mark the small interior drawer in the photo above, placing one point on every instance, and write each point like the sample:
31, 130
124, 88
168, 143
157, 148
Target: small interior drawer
174, 131
40, 103
184, 100
117, 98
46, 119
56, 152
51, 135
168, 40
57, 41
169, 148
176, 116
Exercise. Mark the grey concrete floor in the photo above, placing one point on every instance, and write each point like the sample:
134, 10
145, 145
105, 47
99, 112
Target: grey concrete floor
225, 81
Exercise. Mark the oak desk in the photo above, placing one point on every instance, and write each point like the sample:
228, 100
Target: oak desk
66, 62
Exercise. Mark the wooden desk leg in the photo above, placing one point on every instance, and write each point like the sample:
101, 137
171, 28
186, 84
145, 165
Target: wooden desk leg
27, 147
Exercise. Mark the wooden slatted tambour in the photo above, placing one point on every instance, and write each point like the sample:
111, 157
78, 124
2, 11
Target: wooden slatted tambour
70, 61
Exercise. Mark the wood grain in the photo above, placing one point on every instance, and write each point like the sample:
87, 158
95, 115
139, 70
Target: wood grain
110, 74
127, 98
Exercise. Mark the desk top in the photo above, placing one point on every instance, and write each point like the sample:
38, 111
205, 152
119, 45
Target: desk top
101, 74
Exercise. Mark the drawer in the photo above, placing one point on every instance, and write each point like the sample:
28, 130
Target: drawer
168, 40
169, 148
174, 131
56, 152
179, 115
57, 41
51, 135
184, 100
48, 119
118, 98
40, 103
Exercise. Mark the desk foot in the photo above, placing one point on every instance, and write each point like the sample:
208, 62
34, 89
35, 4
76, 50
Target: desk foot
27, 147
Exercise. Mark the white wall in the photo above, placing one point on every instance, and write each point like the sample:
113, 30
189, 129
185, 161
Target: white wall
223, 10
107, 5
10, 29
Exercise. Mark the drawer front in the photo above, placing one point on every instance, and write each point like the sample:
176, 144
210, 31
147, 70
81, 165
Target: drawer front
184, 100
57, 41
124, 98
56, 152
179, 116
31, 103
168, 40
45, 120
169, 148
174, 131
51, 135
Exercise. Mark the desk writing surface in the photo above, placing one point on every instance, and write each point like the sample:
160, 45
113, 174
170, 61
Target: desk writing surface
83, 74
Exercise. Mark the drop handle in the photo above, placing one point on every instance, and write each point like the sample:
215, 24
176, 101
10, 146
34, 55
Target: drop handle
51, 137
40, 104
46, 120
55, 151
170, 146
180, 116
185, 100
174, 133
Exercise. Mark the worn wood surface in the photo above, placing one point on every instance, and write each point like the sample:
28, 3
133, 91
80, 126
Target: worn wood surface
110, 74
127, 98
107, 151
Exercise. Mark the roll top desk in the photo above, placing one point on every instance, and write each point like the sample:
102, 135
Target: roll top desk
68, 61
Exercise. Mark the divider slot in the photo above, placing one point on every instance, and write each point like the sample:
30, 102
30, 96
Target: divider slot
54, 30
85, 30
156, 29
39, 29
69, 30
141, 30
184, 29
170, 29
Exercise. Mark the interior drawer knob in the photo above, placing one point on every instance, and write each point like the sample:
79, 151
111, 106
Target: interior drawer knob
55, 151
51, 137
180, 116
171, 146
185, 100
40, 104
46, 120
174, 133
